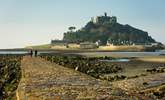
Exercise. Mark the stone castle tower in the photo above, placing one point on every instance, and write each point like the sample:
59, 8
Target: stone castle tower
104, 19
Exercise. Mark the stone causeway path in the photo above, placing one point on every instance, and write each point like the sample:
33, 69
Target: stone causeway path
43, 80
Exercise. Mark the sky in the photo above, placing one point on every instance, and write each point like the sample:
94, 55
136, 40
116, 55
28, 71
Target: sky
34, 22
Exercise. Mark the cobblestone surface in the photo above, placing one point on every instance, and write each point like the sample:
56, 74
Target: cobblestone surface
137, 84
42, 80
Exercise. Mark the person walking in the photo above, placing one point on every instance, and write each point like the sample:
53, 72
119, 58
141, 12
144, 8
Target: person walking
31, 52
36, 53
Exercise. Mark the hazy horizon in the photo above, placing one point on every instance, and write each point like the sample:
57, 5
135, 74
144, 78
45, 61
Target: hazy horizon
33, 22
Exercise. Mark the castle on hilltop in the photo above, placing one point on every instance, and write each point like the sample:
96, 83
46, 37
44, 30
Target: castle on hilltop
104, 19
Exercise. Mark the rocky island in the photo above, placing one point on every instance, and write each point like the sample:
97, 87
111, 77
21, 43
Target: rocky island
105, 33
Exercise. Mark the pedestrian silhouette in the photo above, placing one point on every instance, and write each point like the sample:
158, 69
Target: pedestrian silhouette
35, 52
31, 53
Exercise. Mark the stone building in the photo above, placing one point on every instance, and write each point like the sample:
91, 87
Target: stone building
104, 19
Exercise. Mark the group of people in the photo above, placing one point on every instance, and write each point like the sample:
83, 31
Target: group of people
35, 53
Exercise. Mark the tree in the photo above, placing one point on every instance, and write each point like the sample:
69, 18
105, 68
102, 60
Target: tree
72, 28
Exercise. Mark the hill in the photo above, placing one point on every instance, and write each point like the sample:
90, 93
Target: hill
105, 29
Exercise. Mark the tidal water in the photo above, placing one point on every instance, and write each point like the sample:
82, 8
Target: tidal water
21, 52
116, 60
126, 54
13, 52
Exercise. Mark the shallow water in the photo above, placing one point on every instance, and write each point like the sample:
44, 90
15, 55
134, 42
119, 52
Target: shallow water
13, 52
116, 60
22, 52
124, 54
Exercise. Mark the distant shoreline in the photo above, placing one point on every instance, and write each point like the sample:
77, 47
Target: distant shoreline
49, 47
70, 50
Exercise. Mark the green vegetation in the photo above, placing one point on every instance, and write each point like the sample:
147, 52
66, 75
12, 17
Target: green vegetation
10, 76
110, 71
104, 31
156, 70
44, 46
91, 66
72, 28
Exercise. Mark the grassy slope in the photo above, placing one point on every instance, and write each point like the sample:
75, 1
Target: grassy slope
44, 46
